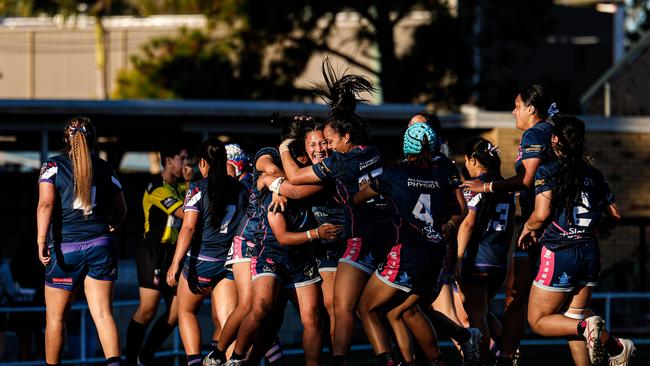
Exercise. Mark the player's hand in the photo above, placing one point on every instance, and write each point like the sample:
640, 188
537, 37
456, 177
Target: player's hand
171, 274
527, 238
277, 202
44, 254
329, 231
285, 145
473, 185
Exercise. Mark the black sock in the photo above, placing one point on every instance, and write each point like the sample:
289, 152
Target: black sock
384, 359
502, 361
218, 354
213, 344
613, 346
52, 364
193, 360
461, 335
113, 361
159, 332
339, 360
582, 325
237, 356
274, 354
134, 337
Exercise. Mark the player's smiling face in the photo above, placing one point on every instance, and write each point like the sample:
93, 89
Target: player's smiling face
335, 141
316, 146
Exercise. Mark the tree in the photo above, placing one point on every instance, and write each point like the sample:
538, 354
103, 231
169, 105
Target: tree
268, 45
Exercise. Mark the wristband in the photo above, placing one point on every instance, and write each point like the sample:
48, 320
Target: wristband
484, 189
309, 235
491, 190
275, 186
317, 234
452, 225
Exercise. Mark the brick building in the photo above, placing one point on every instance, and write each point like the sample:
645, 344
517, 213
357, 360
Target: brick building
624, 90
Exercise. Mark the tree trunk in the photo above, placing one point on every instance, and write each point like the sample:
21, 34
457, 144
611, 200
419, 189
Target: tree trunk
100, 59
388, 73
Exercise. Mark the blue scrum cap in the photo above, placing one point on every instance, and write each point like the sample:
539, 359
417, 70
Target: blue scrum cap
414, 139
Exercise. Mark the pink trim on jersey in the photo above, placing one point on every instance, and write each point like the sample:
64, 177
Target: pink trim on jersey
353, 249
559, 227
254, 266
236, 250
393, 261
546, 267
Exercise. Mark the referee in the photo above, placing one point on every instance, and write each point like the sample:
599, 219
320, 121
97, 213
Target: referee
163, 213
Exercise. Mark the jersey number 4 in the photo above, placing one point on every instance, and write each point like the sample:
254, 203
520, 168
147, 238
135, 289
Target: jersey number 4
422, 209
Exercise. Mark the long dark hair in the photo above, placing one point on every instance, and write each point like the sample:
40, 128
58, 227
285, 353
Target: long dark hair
538, 96
488, 155
295, 128
220, 185
341, 95
570, 151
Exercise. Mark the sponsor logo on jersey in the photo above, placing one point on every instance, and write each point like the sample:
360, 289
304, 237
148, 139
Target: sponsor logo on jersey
66, 280
420, 183
404, 279
48, 170
528, 149
539, 182
169, 202
193, 197
203, 279
564, 279
367, 163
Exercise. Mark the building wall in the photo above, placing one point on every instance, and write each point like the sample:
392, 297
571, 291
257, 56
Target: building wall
630, 90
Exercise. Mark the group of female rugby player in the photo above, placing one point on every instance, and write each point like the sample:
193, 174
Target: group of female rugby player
323, 222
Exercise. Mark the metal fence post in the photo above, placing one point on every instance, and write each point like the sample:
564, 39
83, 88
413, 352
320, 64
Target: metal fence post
608, 309
82, 334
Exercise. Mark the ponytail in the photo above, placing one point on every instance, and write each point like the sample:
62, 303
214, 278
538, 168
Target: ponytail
80, 138
570, 150
341, 94
487, 155
213, 152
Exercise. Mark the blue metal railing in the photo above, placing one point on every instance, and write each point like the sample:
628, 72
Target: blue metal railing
176, 350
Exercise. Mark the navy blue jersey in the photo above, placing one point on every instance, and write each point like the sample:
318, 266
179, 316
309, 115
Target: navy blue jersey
497, 230
421, 197
327, 209
298, 218
440, 161
68, 223
535, 143
349, 170
251, 223
209, 240
569, 229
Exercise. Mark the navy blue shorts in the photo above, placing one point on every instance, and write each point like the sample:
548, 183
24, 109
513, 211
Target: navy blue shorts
205, 272
413, 267
358, 254
295, 273
241, 250
565, 269
328, 256
72, 262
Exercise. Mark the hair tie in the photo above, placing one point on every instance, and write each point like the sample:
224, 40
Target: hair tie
493, 150
74, 130
553, 110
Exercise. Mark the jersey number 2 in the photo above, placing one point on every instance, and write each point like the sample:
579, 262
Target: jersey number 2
230, 212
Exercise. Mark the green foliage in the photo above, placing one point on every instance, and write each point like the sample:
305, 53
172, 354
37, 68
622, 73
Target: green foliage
269, 43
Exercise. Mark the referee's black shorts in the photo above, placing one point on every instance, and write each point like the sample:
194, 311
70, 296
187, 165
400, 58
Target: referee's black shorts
153, 260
